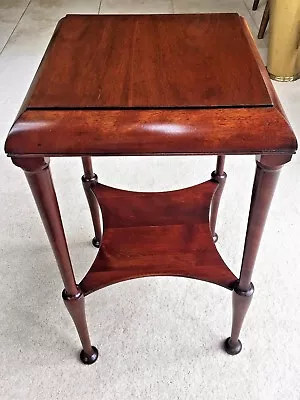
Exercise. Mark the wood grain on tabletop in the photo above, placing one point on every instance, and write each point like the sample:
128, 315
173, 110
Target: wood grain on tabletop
117, 132
194, 60
151, 84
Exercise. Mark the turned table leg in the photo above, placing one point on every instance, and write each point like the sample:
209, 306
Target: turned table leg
219, 176
88, 179
264, 21
267, 173
39, 178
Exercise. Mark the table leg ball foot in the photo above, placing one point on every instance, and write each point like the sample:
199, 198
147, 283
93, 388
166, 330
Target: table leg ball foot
89, 358
96, 242
232, 348
215, 237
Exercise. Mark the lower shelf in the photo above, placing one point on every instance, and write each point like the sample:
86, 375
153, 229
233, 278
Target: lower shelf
156, 234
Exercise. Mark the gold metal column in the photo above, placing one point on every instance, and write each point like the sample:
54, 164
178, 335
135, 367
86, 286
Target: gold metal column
284, 43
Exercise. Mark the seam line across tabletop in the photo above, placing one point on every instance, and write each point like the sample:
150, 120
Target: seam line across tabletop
147, 108
176, 84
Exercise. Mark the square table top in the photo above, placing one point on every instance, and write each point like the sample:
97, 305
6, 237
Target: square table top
148, 61
151, 84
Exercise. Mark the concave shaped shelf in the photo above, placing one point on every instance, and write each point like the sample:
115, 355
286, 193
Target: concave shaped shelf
156, 234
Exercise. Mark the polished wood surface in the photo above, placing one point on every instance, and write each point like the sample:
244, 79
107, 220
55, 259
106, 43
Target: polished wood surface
88, 179
76, 307
151, 234
266, 177
262, 69
148, 61
38, 174
138, 132
265, 181
241, 301
139, 85
264, 21
219, 175
95, 95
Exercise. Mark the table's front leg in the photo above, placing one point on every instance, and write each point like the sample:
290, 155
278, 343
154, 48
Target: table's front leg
267, 173
40, 181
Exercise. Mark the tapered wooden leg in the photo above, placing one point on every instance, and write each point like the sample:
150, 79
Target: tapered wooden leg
89, 179
39, 178
264, 21
240, 303
219, 176
267, 173
75, 306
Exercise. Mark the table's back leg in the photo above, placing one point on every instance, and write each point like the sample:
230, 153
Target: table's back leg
40, 181
264, 21
219, 176
88, 179
267, 173
255, 5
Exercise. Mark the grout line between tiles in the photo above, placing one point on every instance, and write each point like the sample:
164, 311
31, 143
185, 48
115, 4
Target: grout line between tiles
15, 27
99, 6
250, 13
255, 24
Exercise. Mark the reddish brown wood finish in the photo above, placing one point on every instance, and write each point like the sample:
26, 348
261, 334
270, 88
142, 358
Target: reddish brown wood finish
219, 176
178, 84
267, 173
40, 181
88, 179
262, 69
148, 54
225, 85
122, 208
137, 132
264, 21
76, 308
241, 301
265, 181
255, 5
87, 167
151, 234
38, 174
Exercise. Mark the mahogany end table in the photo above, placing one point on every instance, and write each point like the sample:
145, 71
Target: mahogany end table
152, 85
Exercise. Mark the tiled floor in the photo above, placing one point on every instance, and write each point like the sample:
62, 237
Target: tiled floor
158, 338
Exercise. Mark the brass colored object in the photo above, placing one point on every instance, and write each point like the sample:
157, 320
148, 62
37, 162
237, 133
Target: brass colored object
284, 78
284, 43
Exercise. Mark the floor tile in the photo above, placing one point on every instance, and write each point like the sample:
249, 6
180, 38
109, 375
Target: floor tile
289, 94
18, 64
207, 6
257, 14
10, 13
26, 46
136, 7
56, 9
